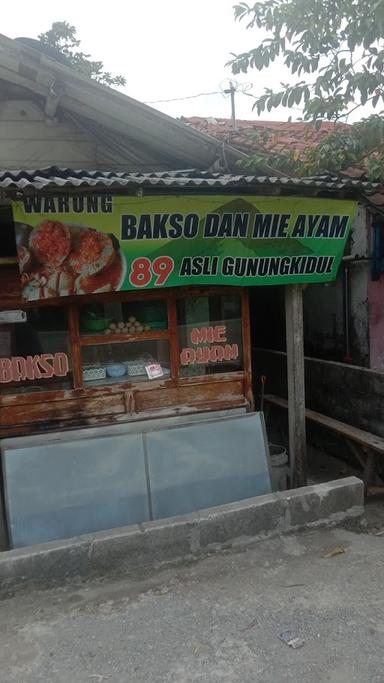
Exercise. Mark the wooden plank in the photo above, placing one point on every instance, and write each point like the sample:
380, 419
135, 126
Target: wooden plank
70, 394
375, 491
111, 389
118, 338
247, 347
296, 387
129, 399
119, 418
142, 400
81, 405
177, 292
86, 298
74, 340
174, 350
187, 396
217, 377
63, 410
354, 433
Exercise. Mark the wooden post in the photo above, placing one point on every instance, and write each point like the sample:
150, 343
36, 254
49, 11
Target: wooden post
174, 350
247, 348
296, 387
74, 338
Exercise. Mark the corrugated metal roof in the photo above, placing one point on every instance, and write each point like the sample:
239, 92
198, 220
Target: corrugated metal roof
64, 178
167, 142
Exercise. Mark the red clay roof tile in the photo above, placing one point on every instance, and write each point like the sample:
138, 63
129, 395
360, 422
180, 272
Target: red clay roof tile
296, 135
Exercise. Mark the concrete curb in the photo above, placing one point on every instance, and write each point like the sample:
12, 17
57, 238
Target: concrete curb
133, 548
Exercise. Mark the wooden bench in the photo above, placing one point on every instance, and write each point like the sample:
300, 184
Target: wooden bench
360, 442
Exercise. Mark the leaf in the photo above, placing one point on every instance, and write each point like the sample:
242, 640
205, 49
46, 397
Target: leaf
62, 37
284, 99
315, 37
335, 551
291, 99
298, 95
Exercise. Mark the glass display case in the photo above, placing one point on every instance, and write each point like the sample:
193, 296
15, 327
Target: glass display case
122, 356
112, 340
123, 318
35, 350
132, 361
124, 341
210, 334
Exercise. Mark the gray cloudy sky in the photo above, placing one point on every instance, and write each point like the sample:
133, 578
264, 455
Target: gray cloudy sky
164, 48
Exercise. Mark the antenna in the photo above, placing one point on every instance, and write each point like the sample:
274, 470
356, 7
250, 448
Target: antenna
230, 87
231, 91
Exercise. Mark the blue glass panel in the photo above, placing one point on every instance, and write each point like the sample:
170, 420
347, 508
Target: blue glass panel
63, 489
211, 463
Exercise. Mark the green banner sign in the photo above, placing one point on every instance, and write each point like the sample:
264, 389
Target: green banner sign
92, 243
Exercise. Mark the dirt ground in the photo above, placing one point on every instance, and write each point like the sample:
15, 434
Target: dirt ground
218, 620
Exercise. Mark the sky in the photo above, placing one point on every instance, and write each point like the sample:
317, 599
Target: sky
166, 49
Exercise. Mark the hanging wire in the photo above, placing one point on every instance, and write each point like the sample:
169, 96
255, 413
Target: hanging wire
187, 97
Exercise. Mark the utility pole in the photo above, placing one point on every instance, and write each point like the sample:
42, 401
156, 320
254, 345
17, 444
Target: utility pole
231, 91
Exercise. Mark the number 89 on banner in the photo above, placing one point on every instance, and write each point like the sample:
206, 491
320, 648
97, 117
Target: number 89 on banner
143, 270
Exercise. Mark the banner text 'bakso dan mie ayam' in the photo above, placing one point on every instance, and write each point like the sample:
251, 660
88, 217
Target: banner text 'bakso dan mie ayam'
85, 244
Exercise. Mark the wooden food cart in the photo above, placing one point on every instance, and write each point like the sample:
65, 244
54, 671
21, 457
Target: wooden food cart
86, 395
122, 307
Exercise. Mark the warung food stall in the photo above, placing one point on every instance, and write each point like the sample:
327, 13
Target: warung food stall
134, 309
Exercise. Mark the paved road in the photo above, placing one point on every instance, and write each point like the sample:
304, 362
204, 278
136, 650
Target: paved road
215, 621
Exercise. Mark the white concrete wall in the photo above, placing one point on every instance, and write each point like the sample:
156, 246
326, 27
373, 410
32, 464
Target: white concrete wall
359, 242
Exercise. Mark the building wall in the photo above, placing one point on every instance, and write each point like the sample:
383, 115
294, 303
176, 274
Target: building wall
28, 139
376, 323
323, 319
346, 392
325, 324
359, 276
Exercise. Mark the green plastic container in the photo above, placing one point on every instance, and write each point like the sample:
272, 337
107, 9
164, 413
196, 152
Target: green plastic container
150, 311
158, 325
95, 324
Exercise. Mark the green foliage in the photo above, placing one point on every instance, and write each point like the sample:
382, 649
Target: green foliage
360, 145
62, 36
335, 48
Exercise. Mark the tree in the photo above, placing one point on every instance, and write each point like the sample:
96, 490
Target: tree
360, 145
63, 37
337, 44
334, 50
